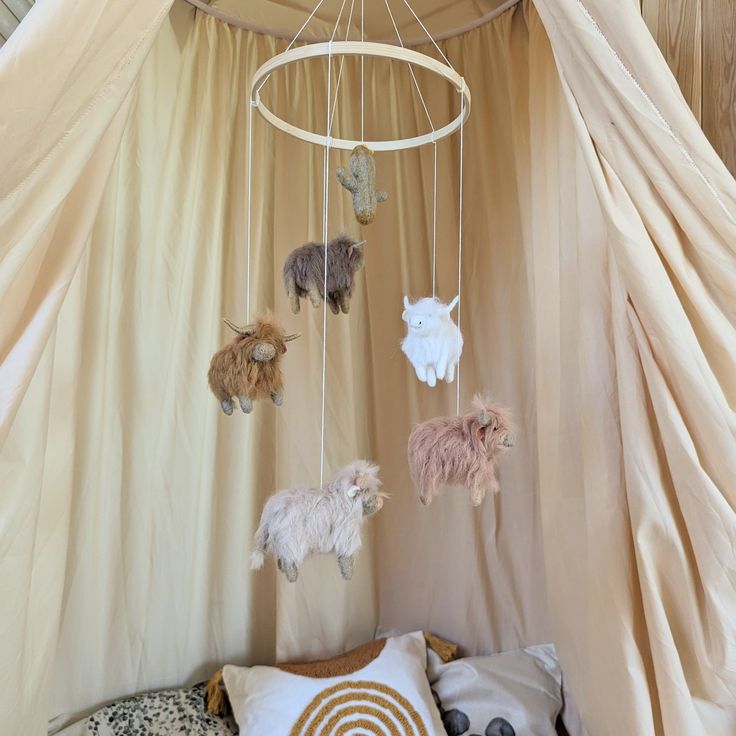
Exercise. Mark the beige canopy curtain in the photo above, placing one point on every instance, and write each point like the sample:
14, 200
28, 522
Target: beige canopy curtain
657, 639
598, 284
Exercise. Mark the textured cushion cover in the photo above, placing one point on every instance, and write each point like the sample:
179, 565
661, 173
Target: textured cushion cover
378, 688
160, 714
515, 693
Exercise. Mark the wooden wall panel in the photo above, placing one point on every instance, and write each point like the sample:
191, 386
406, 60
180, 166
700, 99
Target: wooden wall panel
677, 27
719, 77
698, 39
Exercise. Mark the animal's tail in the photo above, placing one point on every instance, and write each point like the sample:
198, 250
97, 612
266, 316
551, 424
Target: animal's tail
260, 540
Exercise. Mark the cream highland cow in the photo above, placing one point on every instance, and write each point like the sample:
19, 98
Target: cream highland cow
300, 522
433, 342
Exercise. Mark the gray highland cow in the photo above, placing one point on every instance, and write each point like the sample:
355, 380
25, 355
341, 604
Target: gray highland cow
304, 273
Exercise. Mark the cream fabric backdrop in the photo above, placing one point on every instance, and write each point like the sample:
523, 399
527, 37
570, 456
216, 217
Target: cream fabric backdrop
647, 630
133, 492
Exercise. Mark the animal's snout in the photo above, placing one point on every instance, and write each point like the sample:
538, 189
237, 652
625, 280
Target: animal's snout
417, 323
508, 440
263, 352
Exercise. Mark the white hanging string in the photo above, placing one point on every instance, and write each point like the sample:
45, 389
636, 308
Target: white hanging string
429, 35
342, 61
337, 22
434, 226
434, 143
248, 226
325, 208
411, 70
460, 244
362, 79
293, 40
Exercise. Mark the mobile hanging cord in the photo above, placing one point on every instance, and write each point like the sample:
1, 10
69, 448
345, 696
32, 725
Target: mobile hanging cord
460, 246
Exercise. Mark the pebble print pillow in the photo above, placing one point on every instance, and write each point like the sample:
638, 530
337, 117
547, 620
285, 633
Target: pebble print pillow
165, 713
516, 693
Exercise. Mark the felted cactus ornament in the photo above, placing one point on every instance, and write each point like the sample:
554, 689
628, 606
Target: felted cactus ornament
360, 181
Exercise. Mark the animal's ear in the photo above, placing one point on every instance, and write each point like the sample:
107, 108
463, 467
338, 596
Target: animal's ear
353, 491
453, 304
356, 245
249, 330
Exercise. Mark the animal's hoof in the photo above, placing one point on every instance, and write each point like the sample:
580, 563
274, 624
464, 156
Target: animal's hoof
277, 399
425, 501
227, 406
245, 404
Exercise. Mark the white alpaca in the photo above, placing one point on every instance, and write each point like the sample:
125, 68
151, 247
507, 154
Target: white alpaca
299, 522
433, 342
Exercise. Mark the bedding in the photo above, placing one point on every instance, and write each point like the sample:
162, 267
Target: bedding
417, 688
164, 713
516, 693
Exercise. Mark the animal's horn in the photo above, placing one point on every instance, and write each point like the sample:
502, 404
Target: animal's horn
358, 245
406, 302
248, 330
484, 419
292, 337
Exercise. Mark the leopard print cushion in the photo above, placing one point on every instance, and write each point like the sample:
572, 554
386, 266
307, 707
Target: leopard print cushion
164, 713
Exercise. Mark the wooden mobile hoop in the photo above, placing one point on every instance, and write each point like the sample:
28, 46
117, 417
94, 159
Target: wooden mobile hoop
359, 48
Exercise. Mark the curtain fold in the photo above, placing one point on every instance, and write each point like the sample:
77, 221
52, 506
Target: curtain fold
668, 204
65, 78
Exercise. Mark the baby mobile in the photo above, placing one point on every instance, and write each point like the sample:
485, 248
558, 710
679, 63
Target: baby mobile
299, 522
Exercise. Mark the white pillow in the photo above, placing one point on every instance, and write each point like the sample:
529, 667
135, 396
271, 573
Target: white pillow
517, 693
378, 688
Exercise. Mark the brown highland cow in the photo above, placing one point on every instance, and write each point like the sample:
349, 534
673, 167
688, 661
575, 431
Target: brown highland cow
249, 368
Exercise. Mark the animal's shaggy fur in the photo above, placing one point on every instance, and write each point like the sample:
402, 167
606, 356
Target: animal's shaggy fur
249, 367
361, 183
433, 342
304, 273
300, 522
460, 450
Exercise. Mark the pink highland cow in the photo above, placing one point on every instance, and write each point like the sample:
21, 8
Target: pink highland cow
460, 451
